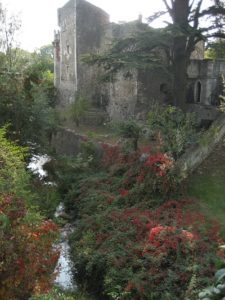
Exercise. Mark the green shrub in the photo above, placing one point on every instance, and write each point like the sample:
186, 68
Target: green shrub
66, 171
45, 199
217, 291
78, 109
130, 130
23, 231
55, 294
175, 129
27, 104
13, 176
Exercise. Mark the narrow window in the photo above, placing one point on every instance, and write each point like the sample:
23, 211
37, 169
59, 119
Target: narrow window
68, 49
198, 91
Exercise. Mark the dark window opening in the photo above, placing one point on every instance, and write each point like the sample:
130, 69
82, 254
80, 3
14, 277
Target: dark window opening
198, 91
190, 97
163, 88
68, 49
167, 93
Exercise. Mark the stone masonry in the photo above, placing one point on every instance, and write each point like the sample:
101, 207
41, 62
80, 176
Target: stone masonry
85, 28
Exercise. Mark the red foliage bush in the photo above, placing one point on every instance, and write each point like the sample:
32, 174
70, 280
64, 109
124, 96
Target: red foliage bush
27, 257
154, 250
128, 246
160, 162
113, 155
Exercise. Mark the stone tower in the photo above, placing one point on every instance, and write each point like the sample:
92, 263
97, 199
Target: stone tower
82, 28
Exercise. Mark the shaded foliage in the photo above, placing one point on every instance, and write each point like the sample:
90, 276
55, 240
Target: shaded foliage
28, 100
130, 241
174, 129
27, 258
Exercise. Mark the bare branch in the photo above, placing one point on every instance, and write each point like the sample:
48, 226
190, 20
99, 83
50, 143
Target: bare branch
168, 7
155, 16
191, 5
218, 35
196, 15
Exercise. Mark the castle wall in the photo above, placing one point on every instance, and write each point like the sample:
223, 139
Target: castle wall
85, 29
66, 60
123, 96
90, 34
128, 91
206, 75
57, 65
82, 26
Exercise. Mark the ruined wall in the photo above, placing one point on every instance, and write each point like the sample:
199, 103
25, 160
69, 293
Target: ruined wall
82, 27
204, 76
150, 91
123, 96
66, 55
56, 44
67, 142
199, 51
86, 29
196, 155
124, 90
92, 24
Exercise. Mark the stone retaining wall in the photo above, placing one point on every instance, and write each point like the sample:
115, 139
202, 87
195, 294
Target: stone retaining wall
69, 143
196, 155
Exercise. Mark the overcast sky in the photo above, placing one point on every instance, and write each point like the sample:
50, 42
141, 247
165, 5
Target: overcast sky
39, 17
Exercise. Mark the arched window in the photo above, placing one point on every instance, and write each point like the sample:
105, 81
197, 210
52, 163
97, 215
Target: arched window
198, 91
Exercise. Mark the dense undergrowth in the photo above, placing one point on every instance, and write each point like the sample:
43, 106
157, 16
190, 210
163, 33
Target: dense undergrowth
136, 235
27, 258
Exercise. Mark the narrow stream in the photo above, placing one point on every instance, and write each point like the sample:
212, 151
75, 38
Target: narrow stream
36, 165
64, 277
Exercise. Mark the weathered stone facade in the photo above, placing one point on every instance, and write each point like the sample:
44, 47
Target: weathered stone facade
82, 28
85, 28
204, 76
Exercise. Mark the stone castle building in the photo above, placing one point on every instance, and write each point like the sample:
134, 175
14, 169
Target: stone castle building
85, 28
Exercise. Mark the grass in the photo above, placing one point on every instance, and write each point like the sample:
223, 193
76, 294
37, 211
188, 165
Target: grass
57, 294
96, 133
207, 185
105, 133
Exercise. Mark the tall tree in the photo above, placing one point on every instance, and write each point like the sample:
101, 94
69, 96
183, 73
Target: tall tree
187, 17
9, 27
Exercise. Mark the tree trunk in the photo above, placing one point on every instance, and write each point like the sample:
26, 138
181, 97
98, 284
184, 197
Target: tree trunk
180, 54
180, 65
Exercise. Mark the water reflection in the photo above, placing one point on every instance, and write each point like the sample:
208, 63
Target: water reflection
64, 277
36, 165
